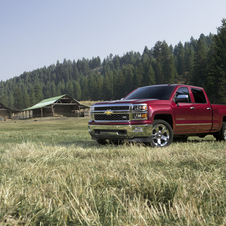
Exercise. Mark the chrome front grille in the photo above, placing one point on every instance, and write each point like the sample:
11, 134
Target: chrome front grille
118, 112
112, 117
112, 113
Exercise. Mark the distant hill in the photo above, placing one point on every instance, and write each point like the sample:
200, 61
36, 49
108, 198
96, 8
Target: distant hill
116, 76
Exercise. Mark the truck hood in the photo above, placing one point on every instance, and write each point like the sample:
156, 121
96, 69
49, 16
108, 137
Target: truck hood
134, 101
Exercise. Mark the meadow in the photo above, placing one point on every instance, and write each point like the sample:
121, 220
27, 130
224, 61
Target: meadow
52, 173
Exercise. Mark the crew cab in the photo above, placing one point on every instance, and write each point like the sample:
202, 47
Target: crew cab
158, 115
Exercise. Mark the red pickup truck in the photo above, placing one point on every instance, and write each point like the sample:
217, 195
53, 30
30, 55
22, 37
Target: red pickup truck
158, 115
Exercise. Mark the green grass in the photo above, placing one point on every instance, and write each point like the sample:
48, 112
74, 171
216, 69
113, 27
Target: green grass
48, 130
52, 173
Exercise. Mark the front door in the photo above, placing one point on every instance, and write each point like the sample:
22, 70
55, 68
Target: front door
185, 118
184, 114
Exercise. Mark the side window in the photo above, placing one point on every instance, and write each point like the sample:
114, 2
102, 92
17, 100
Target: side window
198, 96
183, 91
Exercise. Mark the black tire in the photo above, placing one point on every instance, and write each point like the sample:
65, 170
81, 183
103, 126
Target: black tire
162, 134
116, 142
101, 141
221, 135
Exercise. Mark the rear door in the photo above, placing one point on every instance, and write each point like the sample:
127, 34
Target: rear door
202, 110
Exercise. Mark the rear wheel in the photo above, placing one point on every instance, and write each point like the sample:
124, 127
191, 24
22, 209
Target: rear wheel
221, 135
162, 134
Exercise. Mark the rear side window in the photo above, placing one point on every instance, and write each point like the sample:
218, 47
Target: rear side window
198, 96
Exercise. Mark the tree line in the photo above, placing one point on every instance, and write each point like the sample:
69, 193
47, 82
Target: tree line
200, 62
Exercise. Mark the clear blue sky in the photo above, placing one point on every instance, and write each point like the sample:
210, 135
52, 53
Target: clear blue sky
34, 34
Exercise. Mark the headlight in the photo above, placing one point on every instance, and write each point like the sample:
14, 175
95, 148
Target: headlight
140, 111
140, 107
139, 116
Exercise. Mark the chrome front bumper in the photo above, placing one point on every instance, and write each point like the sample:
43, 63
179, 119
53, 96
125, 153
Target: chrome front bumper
138, 133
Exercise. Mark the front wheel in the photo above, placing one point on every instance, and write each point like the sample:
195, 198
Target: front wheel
116, 142
162, 134
101, 141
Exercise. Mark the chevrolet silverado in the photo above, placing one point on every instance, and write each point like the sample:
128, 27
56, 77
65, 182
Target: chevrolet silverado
158, 115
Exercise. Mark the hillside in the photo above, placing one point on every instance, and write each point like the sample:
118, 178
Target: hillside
199, 62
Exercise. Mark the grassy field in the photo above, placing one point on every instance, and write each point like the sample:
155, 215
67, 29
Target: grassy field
52, 173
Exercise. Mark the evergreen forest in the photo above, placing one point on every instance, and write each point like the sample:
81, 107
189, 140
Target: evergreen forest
200, 62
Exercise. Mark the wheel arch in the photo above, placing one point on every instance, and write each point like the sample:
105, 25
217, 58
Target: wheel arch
166, 117
224, 119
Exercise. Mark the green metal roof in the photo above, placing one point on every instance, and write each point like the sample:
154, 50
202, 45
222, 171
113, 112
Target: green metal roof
51, 101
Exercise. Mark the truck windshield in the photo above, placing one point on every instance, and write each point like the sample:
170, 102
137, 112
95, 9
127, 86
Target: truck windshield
151, 92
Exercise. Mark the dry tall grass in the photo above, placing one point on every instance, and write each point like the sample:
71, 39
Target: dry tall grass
65, 182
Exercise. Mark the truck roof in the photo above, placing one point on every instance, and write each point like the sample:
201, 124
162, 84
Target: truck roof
173, 85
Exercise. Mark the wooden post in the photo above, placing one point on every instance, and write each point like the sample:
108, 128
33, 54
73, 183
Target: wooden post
41, 113
52, 111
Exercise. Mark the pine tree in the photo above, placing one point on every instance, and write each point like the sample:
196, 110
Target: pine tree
26, 99
76, 74
119, 85
149, 77
32, 98
116, 61
18, 99
199, 74
58, 92
69, 88
38, 93
217, 71
85, 66
98, 87
61, 86
47, 90
189, 58
85, 89
92, 86
4, 100
145, 60
138, 76
53, 89
158, 62
77, 90
158, 71
180, 59
107, 88
168, 67
128, 75
11, 101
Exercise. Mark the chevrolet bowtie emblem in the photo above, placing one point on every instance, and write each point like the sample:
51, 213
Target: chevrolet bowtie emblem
108, 112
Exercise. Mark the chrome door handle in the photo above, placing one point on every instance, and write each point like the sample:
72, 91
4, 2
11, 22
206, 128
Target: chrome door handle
208, 108
192, 108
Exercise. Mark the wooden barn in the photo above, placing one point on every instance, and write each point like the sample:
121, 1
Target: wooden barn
63, 105
7, 113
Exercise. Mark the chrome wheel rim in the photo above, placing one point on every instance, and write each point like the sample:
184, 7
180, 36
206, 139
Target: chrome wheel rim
160, 135
225, 133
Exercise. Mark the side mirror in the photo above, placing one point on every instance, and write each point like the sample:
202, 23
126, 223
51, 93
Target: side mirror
122, 98
182, 98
